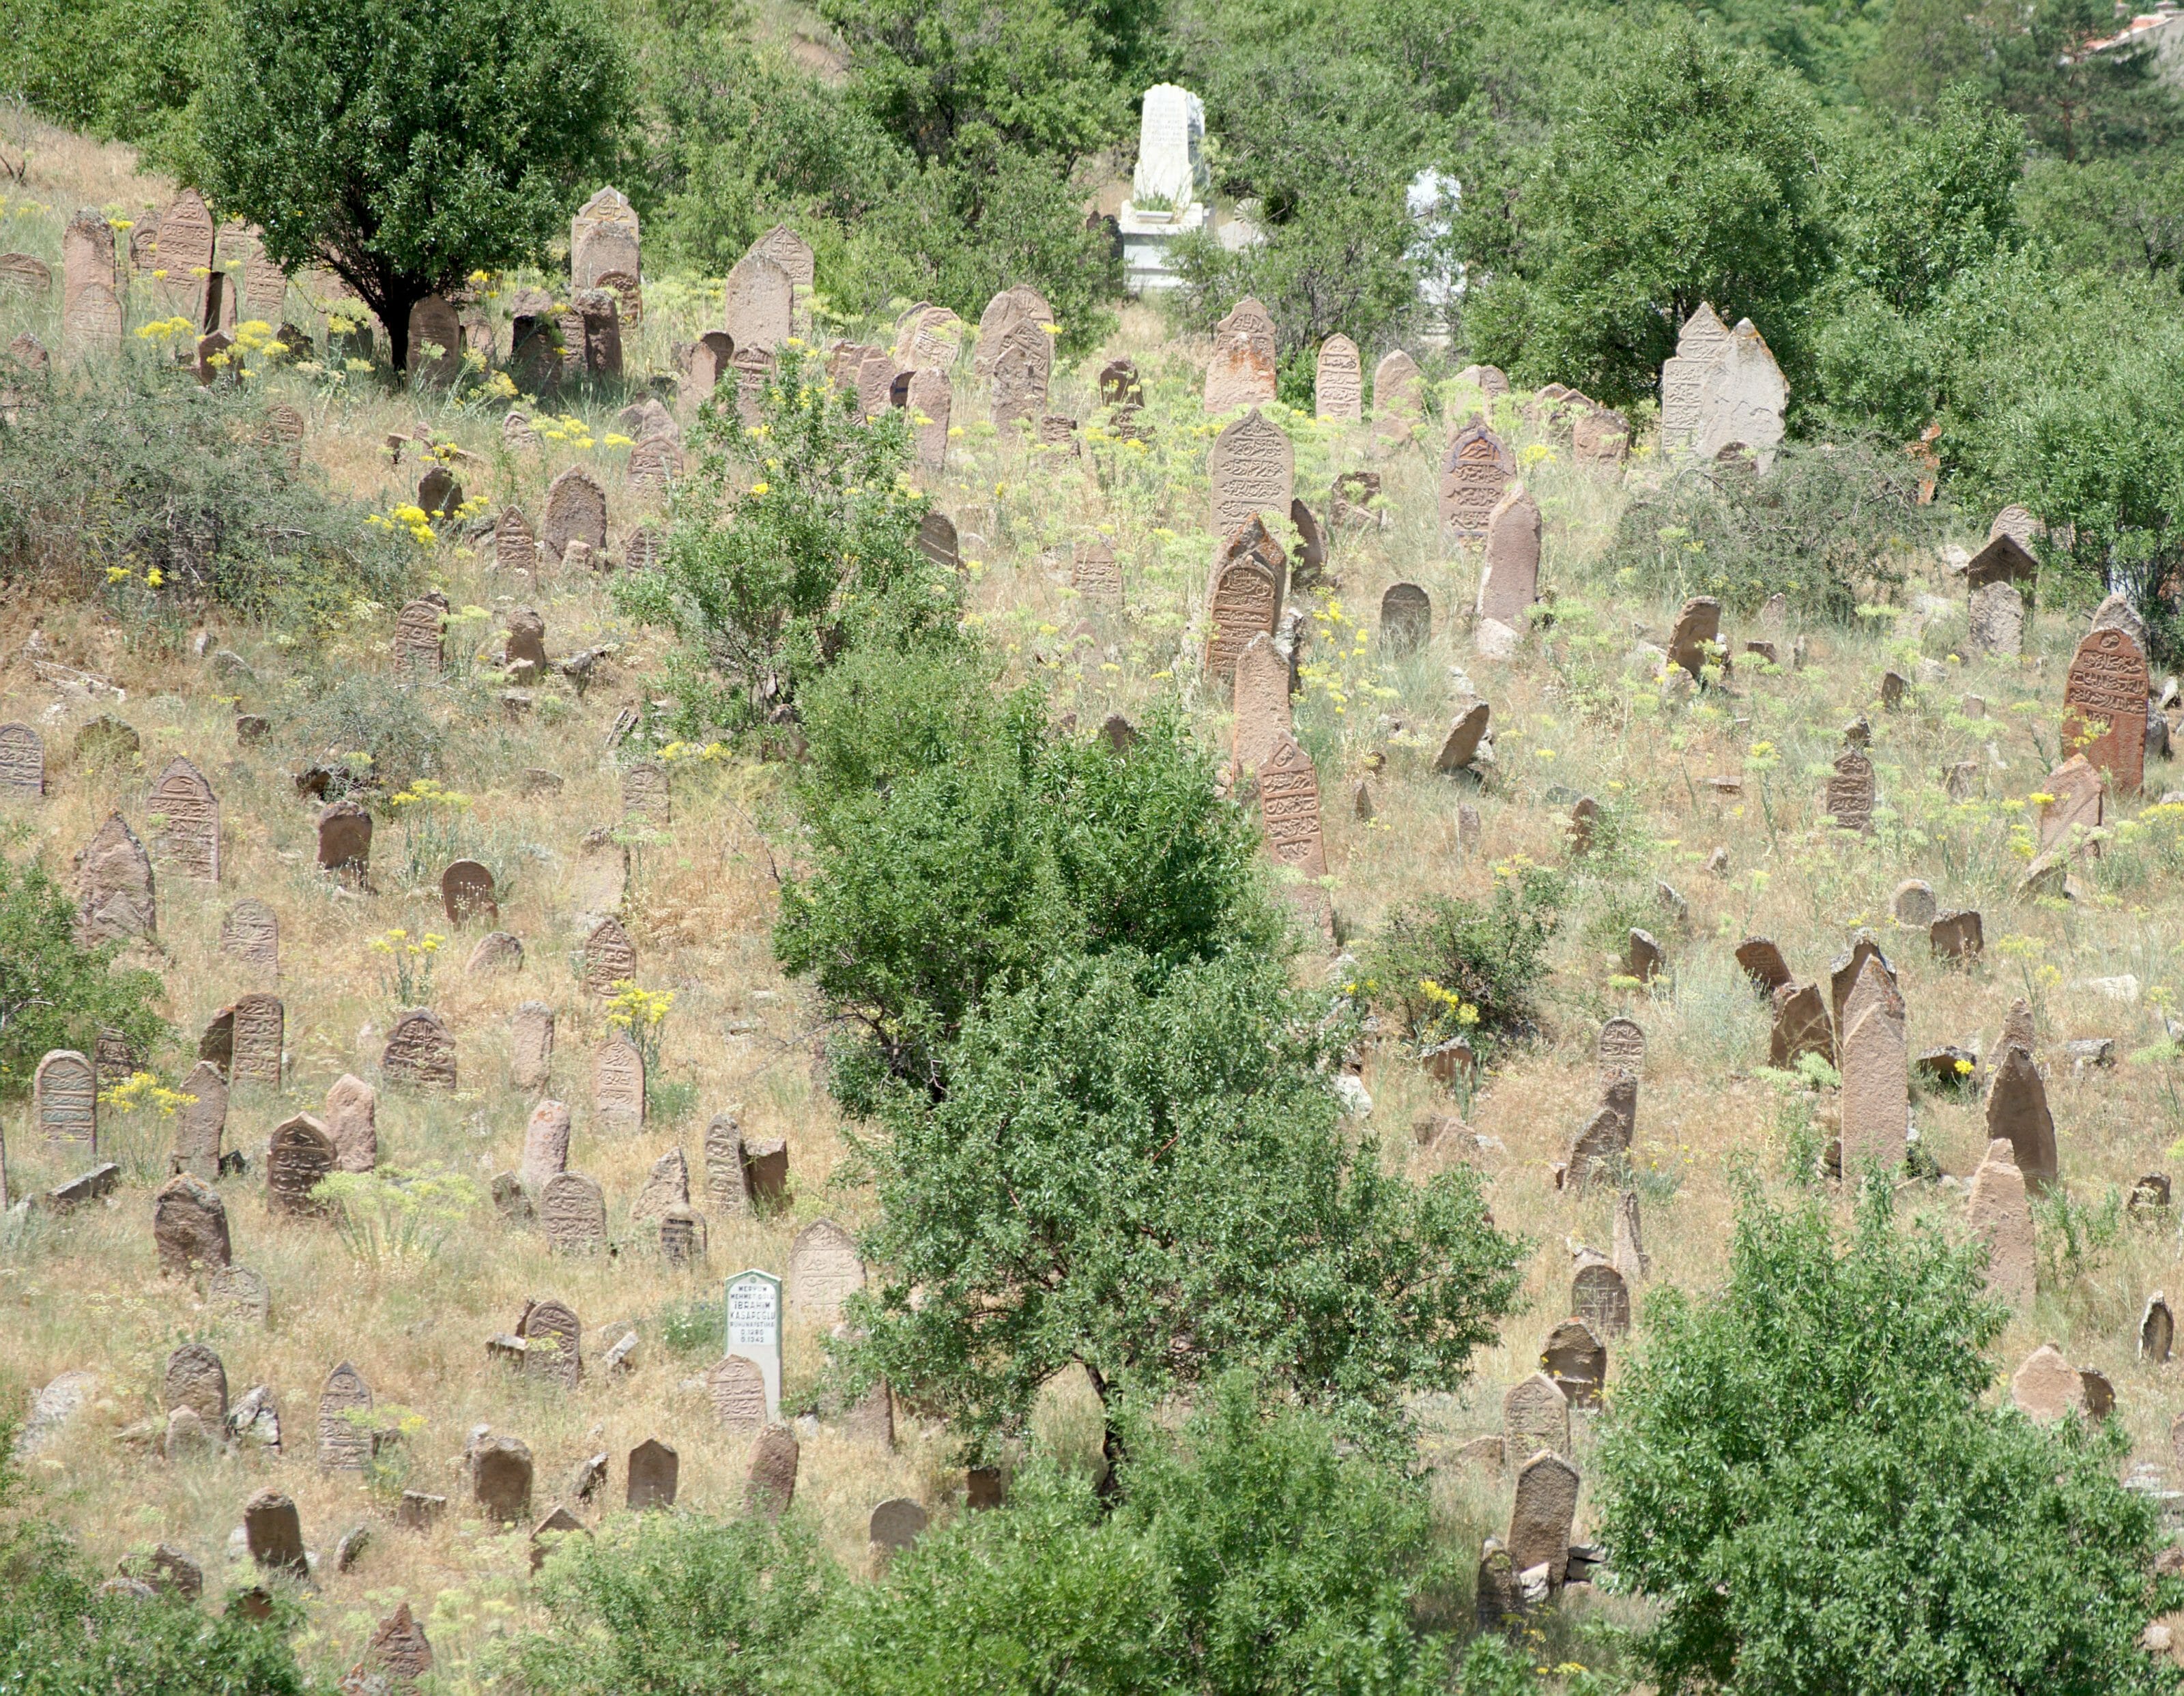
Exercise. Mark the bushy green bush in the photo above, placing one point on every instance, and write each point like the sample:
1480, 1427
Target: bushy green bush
1447, 966
138, 486
1807, 1477
793, 545
1831, 527
54, 992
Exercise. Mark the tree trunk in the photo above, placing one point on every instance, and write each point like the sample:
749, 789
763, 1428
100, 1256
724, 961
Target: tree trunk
1111, 1438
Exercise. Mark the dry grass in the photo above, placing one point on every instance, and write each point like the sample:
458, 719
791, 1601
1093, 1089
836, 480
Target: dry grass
83, 1290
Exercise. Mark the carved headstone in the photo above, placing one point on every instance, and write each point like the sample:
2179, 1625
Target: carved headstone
344, 1426
1338, 382
609, 957
1741, 398
1535, 1415
770, 1486
1242, 370
1094, 575
65, 1100
195, 1379
240, 1293
667, 1185
1577, 1360
618, 1082
572, 1212
1510, 582
1763, 963
200, 1124
2104, 706
436, 342
90, 286
1702, 340
1022, 363
1405, 618
466, 893
189, 1225
1252, 468
420, 1052
1289, 807
1602, 1298
644, 793
300, 1155
760, 297
515, 547
545, 1144
115, 899
556, 1355
259, 1030
930, 403
1998, 622
1476, 470
1545, 1509
1850, 793
353, 1124
251, 933
736, 1387
726, 1191
1246, 597
576, 511
22, 763
823, 1271
531, 1045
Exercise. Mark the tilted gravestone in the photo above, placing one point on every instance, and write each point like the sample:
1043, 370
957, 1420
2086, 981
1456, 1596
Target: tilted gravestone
1545, 1509
824, 1271
300, 1155
251, 933
344, 1422
556, 1351
545, 1144
667, 1185
200, 1124
65, 1100
576, 511
1241, 373
1338, 381
618, 1082
115, 898
1801, 1026
189, 1225
2045, 1387
1251, 469
1246, 597
531, 1049
655, 1476
726, 1189
1460, 748
572, 1212
1576, 1359
2017, 1113
420, 1052
1535, 1415
769, 1487
352, 1121
2104, 706
1763, 963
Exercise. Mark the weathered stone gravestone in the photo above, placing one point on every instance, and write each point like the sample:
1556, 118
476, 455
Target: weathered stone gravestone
1289, 807
1913, 904
531, 1045
420, 635
1510, 582
1998, 622
667, 1185
726, 1189
1535, 1415
22, 763
1005, 311
90, 286
551, 1531
300, 1155
1629, 1257
259, 1028
823, 1271
1545, 1509
609, 957
1338, 382
1093, 574
2005, 559
545, 1144
655, 1472
345, 842
1460, 748
576, 511
65, 1100
2000, 1216
1476, 470
1577, 1360
2045, 1387
189, 1225
894, 1525
2156, 1329
1699, 344
1619, 1051
2104, 706
1398, 405
1020, 369
500, 1478
618, 1082
759, 304
556, 1351
2017, 1113
769, 1487
115, 899
201, 1122
1242, 370
183, 277
602, 870
1596, 1150
2076, 810
398, 1654
1876, 1073
1764, 964
515, 547
344, 1422
240, 1293
466, 893
1405, 618
1742, 399
572, 1212
737, 1388
1602, 1298
274, 1533
1697, 635
604, 240
251, 933
420, 1052
1850, 793
644, 793
1262, 703
1956, 936
435, 343
930, 402
1246, 599
352, 1123
195, 1379
655, 464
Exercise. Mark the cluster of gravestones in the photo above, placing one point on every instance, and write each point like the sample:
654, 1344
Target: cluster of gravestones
1722, 394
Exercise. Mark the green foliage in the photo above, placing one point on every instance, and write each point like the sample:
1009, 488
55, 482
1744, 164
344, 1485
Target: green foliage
2125, 216
2077, 1237
792, 546
1147, 1173
675, 1605
61, 1635
1677, 172
54, 992
373, 729
959, 844
390, 1216
1803, 1475
123, 70
1448, 967
109, 478
1831, 527
404, 147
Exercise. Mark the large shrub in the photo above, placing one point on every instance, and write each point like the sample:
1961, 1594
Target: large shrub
1807, 1475
1447, 966
54, 992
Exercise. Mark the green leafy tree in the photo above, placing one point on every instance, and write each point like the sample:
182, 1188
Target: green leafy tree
123, 69
794, 543
959, 844
406, 146
1445, 966
1678, 170
55, 992
1147, 1173
677, 1604
2125, 216
1804, 1474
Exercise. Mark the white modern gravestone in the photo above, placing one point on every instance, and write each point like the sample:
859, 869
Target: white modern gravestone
753, 1306
1169, 187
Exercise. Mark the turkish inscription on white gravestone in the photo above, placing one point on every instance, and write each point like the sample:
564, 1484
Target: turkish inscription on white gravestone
755, 1329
